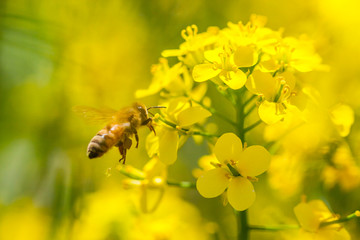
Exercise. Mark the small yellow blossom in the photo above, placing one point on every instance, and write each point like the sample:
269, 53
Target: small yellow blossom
343, 118
310, 216
164, 77
236, 167
252, 33
276, 92
297, 54
223, 64
191, 52
343, 171
180, 113
151, 182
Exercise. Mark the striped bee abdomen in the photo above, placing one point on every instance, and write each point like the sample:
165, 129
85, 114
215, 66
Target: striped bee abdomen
104, 140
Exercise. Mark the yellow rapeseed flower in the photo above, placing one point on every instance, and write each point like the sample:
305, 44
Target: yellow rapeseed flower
310, 216
191, 52
343, 118
235, 169
180, 113
276, 92
225, 63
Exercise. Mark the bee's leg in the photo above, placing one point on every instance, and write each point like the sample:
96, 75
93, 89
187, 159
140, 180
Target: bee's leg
152, 129
136, 138
122, 151
148, 123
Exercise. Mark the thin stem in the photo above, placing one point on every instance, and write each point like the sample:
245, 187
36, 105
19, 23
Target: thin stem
181, 184
356, 214
185, 130
242, 226
241, 217
273, 228
249, 100
250, 110
214, 112
252, 126
240, 119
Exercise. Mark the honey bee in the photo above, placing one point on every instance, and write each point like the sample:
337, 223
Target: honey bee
120, 127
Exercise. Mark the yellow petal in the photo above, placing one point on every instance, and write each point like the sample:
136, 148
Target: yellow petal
199, 92
228, 147
245, 56
203, 72
152, 144
168, 146
213, 55
155, 168
343, 118
213, 182
269, 113
235, 80
254, 161
172, 53
241, 193
307, 217
268, 65
192, 115
332, 234
262, 83
289, 79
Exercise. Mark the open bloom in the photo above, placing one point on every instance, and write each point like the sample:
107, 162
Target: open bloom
233, 172
179, 114
276, 92
151, 182
225, 63
310, 216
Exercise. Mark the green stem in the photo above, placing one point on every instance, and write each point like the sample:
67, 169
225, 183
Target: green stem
185, 130
273, 228
249, 100
250, 110
356, 214
216, 113
242, 226
241, 217
240, 118
252, 126
181, 184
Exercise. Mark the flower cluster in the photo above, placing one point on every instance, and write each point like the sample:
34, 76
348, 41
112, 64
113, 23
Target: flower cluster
250, 67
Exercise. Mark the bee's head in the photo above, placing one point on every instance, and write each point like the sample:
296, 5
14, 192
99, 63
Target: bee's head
144, 114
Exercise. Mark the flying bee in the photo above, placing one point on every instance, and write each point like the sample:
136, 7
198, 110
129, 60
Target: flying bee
121, 126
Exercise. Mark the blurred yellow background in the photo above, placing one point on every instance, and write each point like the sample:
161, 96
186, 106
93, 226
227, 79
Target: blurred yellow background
58, 54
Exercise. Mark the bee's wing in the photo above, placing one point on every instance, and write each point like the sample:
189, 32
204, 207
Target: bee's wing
95, 115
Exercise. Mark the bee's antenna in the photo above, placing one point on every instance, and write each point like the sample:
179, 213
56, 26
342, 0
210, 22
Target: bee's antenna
155, 107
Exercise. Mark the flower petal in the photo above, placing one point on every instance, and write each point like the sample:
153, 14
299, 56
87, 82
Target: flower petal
168, 146
212, 183
306, 217
203, 72
228, 147
241, 193
338, 233
235, 80
254, 161
172, 53
343, 118
268, 112
262, 83
213, 55
245, 56
192, 115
